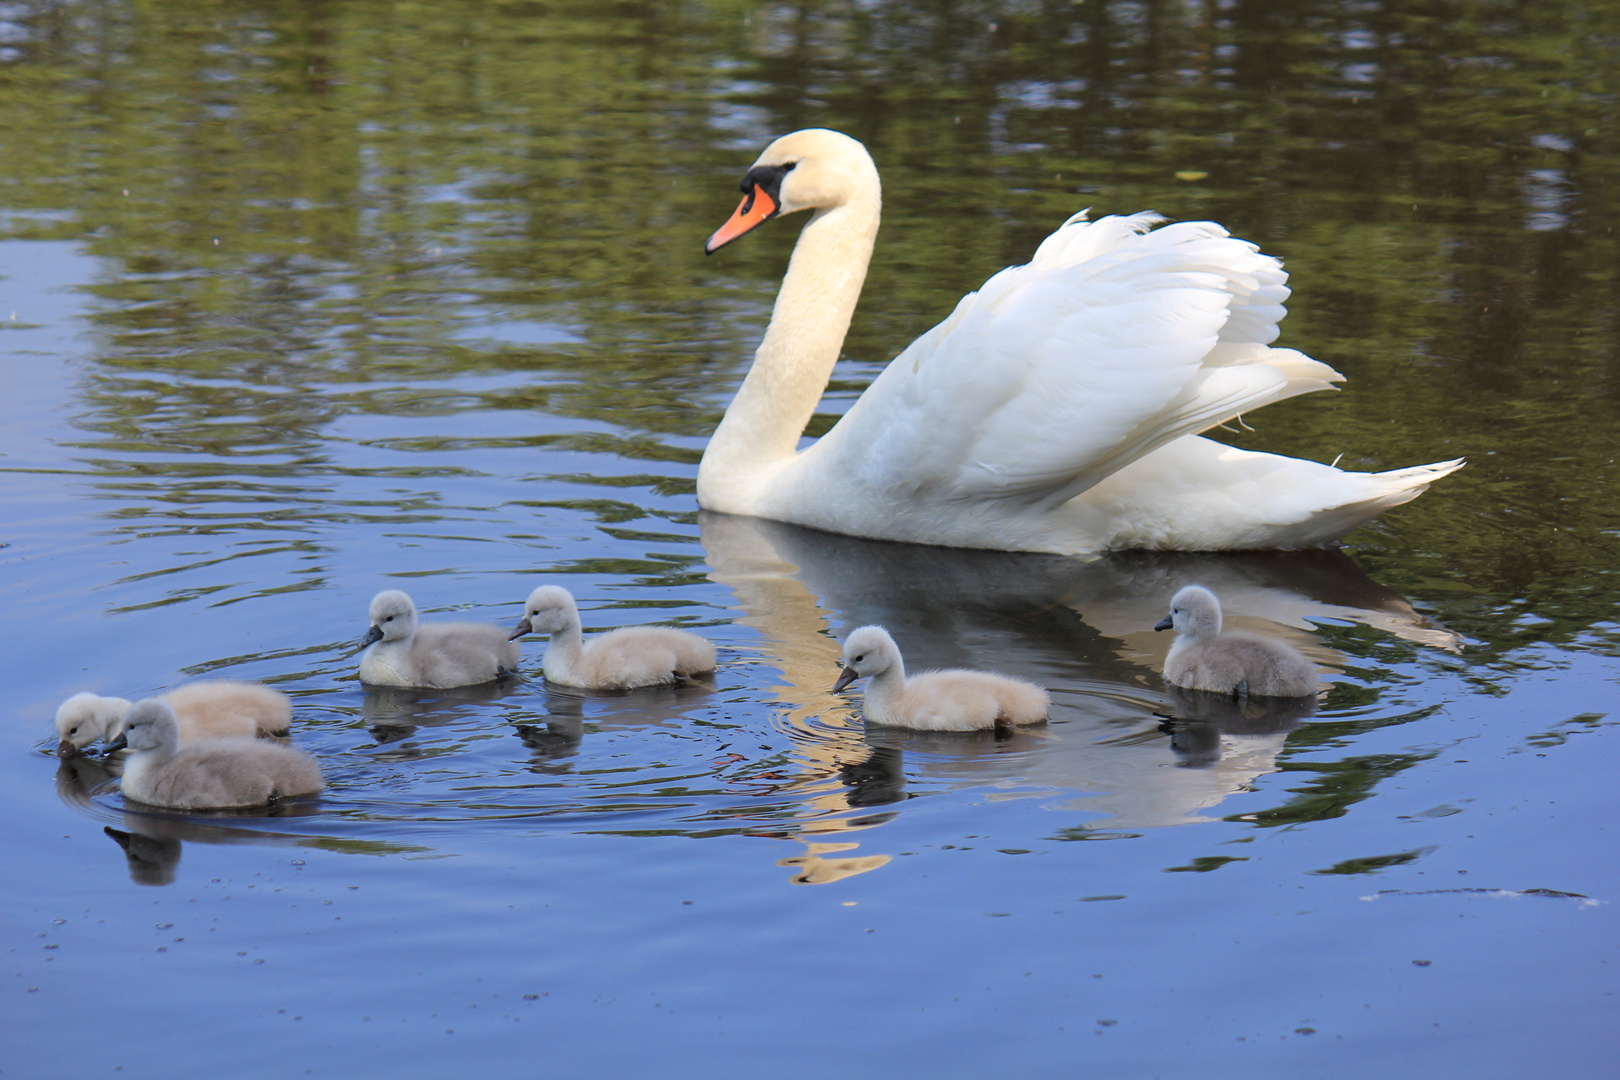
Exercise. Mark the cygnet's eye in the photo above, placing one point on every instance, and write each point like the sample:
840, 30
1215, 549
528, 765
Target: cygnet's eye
389, 619
73, 730
861, 657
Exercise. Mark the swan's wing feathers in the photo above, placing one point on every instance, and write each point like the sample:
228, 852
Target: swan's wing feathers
1108, 344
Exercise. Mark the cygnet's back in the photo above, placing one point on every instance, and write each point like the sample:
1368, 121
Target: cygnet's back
950, 700
435, 655
210, 774
224, 707
635, 656
1203, 658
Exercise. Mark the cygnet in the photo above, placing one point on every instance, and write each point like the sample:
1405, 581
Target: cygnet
620, 659
949, 700
209, 774
210, 709
1203, 658
433, 656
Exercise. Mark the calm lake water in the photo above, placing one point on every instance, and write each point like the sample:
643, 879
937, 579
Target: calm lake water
303, 301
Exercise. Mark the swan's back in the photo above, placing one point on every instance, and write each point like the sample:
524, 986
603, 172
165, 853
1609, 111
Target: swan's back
959, 700
224, 707
1271, 668
443, 655
635, 656
216, 774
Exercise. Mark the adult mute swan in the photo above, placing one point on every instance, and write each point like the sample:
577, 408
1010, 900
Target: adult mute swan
1055, 410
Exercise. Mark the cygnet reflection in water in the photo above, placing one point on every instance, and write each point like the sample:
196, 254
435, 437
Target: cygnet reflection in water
1081, 628
1206, 726
152, 859
393, 712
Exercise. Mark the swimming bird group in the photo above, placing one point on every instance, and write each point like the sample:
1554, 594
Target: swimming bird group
1058, 409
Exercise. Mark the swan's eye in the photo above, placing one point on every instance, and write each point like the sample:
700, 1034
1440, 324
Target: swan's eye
389, 619
73, 731
861, 657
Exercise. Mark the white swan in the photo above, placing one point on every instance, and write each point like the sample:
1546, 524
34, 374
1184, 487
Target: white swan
209, 774
948, 700
1203, 658
621, 659
209, 709
1055, 410
434, 656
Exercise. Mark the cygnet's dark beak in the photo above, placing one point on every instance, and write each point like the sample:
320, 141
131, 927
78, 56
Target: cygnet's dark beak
120, 743
524, 626
1166, 623
373, 636
845, 677
66, 749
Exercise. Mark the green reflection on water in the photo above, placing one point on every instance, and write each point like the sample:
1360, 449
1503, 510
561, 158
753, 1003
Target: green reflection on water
309, 212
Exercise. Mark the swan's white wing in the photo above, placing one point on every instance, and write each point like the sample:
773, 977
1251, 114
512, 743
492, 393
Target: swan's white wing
1108, 344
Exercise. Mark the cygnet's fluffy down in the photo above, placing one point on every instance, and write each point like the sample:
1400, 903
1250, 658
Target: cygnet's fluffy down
435, 655
620, 659
949, 700
209, 774
1203, 658
210, 709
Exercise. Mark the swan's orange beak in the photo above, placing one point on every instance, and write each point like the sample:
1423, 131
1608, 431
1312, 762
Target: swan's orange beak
757, 206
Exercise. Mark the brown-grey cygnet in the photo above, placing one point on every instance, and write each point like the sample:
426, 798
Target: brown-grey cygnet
620, 659
949, 700
209, 774
1203, 658
209, 709
438, 655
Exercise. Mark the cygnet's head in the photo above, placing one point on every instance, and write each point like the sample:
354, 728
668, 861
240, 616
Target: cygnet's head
84, 718
805, 170
549, 610
393, 616
1195, 612
868, 651
150, 724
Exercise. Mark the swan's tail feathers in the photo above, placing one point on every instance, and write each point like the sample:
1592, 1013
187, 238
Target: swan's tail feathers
1236, 379
1383, 491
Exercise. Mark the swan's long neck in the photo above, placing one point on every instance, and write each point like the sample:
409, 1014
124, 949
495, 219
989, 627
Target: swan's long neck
762, 426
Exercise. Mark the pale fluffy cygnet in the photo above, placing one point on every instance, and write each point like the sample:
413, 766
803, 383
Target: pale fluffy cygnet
949, 700
433, 656
209, 774
620, 659
1203, 658
210, 709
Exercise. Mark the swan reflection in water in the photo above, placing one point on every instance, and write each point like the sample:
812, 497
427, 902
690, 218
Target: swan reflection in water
1082, 628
